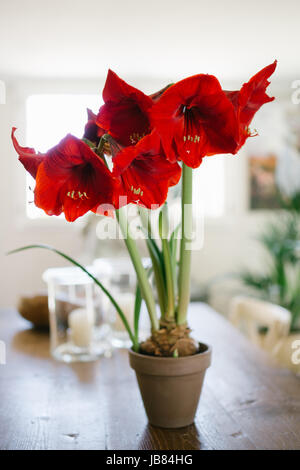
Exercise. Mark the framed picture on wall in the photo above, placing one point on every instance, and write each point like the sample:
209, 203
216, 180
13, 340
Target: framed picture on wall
263, 189
274, 157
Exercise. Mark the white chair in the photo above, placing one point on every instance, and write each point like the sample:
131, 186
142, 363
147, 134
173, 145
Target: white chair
264, 323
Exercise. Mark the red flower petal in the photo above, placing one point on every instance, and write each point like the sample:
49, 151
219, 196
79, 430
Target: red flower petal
194, 118
249, 100
73, 179
47, 193
27, 156
145, 173
125, 113
253, 94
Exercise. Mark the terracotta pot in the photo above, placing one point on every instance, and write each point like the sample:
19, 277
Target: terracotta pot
171, 387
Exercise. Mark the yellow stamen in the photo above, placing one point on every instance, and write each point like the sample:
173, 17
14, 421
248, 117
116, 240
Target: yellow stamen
77, 195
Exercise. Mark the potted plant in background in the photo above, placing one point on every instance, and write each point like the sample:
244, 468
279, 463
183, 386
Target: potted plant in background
280, 282
132, 151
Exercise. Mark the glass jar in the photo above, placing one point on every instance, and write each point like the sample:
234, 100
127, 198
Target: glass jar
79, 329
119, 277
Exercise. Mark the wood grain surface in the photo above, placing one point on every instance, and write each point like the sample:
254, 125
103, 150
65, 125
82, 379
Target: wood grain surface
246, 403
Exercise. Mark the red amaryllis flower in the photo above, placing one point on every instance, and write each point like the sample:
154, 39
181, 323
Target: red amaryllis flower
145, 173
92, 131
27, 156
125, 114
70, 178
249, 99
195, 118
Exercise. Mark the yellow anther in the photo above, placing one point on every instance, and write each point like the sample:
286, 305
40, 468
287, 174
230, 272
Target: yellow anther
136, 190
77, 194
135, 137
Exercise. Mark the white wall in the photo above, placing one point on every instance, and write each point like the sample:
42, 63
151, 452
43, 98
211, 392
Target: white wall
169, 38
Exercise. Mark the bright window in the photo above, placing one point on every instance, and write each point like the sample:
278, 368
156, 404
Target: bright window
49, 119
209, 187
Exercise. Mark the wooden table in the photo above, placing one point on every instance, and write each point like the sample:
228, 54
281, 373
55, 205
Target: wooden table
246, 403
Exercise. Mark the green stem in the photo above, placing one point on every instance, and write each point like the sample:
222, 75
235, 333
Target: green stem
164, 232
137, 312
142, 277
159, 280
173, 250
185, 253
156, 260
99, 150
106, 292
170, 313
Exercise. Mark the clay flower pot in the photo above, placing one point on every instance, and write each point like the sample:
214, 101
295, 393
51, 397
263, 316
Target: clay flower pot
171, 387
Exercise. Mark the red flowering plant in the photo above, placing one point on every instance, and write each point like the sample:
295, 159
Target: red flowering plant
132, 152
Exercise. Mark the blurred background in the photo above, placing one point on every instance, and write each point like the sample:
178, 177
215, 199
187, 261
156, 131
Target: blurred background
54, 57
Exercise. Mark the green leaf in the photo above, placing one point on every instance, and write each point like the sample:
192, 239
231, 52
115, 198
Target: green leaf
174, 239
137, 313
164, 234
173, 249
157, 262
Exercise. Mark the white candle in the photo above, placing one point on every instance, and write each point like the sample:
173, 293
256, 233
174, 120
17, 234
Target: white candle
126, 302
81, 327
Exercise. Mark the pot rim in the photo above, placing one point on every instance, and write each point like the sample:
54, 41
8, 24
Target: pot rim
170, 366
169, 358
